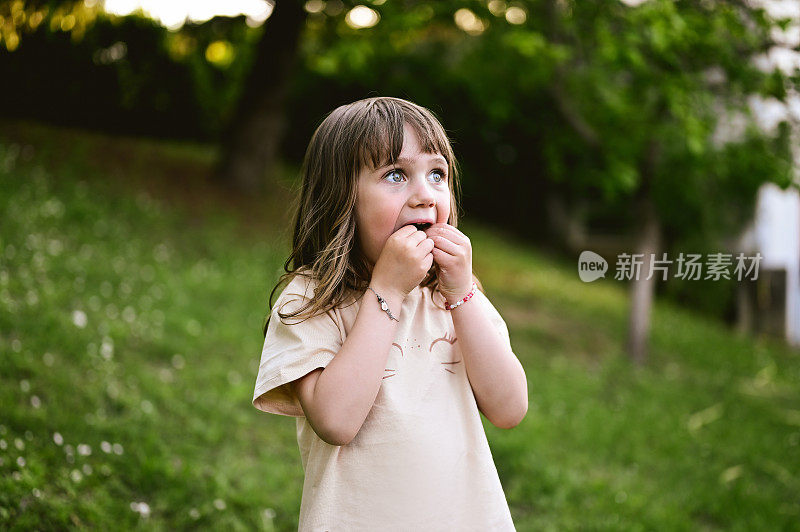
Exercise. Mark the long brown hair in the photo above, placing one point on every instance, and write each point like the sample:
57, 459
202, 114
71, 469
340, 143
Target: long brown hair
325, 242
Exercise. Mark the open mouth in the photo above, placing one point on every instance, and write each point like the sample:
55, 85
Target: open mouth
421, 226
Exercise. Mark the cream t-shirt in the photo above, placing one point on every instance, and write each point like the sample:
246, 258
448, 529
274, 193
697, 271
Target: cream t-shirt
421, 460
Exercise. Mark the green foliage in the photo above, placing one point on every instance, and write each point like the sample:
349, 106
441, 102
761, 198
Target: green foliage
577, 95
130, 339
568, 99
128, 74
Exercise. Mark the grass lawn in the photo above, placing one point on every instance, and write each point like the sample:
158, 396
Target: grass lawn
132, 293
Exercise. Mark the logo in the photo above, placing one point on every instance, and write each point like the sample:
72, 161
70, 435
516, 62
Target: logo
690, 266
591, 266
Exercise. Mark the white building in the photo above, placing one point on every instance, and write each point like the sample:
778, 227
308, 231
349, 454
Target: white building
775, 233
775, 230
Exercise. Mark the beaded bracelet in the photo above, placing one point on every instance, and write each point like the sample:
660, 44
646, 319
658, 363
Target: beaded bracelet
463, 299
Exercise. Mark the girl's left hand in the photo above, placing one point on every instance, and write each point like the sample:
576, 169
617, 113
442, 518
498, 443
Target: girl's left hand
452, 254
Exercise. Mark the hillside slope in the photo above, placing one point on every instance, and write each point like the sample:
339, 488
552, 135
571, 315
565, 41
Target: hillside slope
132, 294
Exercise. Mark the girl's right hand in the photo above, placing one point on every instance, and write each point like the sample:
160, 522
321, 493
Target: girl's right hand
404, 261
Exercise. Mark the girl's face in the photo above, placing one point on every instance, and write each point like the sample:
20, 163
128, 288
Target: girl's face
414, 190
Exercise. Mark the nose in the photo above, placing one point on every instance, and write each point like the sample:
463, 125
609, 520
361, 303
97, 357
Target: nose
422, 194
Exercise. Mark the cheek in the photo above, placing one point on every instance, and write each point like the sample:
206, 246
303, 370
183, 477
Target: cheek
363, 225
385, 213
443, 209
372, 225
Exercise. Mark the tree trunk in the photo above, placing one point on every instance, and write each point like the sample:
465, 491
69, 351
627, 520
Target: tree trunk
744, 309
649, 242
251, 140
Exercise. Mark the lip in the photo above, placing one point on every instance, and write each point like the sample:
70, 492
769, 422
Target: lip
418, 221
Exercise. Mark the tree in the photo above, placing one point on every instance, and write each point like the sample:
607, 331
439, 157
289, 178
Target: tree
659, 77
612, 103
252, 138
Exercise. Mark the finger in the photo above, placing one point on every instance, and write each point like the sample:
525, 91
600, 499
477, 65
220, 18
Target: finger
455, 235
441, 258
428, 261
418, 237
426, 245
449, 232
406, 230
448, 246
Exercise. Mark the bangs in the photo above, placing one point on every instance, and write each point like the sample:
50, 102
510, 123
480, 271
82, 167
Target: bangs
381, 139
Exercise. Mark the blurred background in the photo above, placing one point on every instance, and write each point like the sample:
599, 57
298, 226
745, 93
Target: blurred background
149, 151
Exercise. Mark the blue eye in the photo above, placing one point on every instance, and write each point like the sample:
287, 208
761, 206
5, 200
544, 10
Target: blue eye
442, 174
390, 173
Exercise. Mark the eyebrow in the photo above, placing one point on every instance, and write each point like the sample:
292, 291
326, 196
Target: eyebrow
406, 160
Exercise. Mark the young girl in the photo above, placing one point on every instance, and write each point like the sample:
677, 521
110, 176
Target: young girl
382, 344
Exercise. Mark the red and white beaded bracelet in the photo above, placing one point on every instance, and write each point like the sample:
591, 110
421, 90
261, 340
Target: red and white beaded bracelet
463, 299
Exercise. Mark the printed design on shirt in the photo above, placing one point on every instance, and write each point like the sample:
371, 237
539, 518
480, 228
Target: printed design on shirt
394, 371
451, 341
391, 372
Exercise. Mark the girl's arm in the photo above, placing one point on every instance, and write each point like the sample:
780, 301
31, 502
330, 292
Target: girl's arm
337, 399
495, 374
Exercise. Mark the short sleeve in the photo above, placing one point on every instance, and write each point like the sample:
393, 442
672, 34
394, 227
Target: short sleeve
292, 350
497, 320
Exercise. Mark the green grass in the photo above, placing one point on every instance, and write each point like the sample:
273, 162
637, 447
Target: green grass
130, 339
